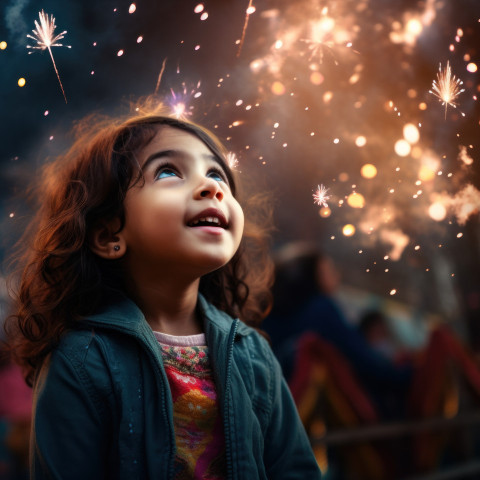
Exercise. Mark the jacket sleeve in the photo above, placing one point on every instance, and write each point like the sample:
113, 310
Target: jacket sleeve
288, 453
70, 431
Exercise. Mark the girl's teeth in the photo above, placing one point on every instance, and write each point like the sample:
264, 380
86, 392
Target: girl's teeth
207, 219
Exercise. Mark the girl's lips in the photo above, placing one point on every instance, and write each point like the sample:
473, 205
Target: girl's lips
210, 229
212, 216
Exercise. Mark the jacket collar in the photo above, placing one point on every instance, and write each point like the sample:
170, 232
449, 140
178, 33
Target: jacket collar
213, 317
122, 314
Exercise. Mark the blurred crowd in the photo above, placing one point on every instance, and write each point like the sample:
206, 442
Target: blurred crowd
350, 376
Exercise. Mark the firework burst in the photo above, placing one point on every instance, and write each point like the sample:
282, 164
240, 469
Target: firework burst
318, 50
320, 196
447, 87
44, 36
232, 160
179, 102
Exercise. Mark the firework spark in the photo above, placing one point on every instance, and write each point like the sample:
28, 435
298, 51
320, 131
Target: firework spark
447, 87
320, 196
44, 36
160, 75
250, 10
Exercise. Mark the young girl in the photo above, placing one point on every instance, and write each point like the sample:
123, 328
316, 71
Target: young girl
127, 323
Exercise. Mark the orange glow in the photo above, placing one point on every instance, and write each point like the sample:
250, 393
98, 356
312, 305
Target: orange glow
278, 88
402, 148
348, 230
325, 212
316, 78
411, 133
472, 67
437, 211
356, 200
426, 173
368, 170
360, 141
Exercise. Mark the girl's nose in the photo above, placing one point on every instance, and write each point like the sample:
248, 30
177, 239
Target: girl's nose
210, 189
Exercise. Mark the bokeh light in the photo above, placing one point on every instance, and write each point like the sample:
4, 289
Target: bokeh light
356, 200
402, 148
472, 67
21, 82
426, 173
325, 212
316, 78
360, 141
411, 133
278, 88
368, 171
348, 230
437, 211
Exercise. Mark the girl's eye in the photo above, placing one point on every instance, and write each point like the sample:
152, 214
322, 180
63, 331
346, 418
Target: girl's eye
165, 172
216, 175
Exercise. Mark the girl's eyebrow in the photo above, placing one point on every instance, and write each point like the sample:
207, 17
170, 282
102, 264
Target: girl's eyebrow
156, 155
174, 153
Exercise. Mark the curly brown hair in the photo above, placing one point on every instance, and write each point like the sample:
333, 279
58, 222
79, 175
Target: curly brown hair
60, 280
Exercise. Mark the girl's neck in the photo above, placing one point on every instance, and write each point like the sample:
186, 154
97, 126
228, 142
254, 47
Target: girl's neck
169, 307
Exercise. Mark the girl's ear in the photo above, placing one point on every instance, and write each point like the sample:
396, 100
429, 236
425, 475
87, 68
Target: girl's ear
107, 242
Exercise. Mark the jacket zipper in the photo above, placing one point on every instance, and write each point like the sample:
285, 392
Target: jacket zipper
226, 409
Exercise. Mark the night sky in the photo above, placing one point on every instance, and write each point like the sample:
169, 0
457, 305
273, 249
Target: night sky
316, 90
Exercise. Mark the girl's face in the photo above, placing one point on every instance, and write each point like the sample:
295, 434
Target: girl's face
184, 219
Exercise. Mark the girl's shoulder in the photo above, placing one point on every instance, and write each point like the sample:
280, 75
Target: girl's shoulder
93, 357
81, 343
253, 353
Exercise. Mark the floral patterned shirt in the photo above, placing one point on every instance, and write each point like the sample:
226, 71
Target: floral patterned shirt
197, 420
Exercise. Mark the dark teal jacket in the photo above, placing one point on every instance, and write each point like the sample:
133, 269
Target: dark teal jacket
103, 408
